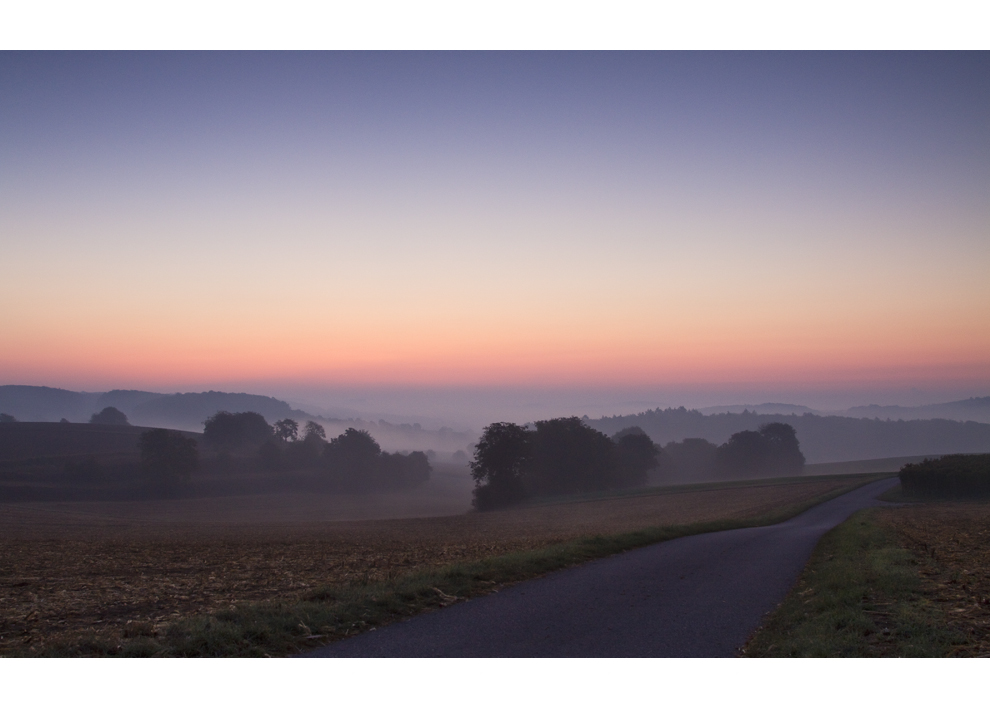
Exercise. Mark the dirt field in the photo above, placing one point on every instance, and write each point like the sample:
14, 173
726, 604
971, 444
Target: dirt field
952, 543
125, 569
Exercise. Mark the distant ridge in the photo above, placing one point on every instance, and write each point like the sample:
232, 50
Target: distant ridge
185, 411
766, 408
975, 409
46, 404
188, 411
822, 438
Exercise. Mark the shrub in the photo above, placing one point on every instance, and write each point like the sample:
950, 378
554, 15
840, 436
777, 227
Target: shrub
948, 476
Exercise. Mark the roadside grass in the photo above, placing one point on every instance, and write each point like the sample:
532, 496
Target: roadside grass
326, 614
859, 596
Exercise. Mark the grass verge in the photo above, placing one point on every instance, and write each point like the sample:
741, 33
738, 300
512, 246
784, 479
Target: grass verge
859, 596
286, 627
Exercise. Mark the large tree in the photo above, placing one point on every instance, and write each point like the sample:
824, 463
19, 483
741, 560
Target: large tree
499, 461
635, 455
231, 431
771, 451
785, 457
286, 430
569, 457
355, 462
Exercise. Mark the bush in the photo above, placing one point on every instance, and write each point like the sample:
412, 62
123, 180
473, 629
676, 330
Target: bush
949, 476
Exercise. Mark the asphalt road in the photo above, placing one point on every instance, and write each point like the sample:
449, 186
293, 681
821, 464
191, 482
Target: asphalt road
697, 596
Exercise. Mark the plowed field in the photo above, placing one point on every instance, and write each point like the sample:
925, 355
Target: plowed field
952, 544
71, 570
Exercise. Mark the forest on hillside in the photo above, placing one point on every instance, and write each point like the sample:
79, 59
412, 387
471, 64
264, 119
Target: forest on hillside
823, 438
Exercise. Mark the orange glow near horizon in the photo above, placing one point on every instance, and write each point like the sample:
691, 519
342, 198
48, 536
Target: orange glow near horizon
601, 354
485, 220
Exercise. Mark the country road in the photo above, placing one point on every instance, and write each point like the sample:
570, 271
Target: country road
697, 596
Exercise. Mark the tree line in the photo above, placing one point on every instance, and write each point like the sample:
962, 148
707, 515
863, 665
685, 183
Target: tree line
558, 456
352, 461
566, 456
771, 451
823, 438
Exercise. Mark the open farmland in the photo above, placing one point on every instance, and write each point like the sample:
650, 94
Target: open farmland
116, 571
951, 545
900, 581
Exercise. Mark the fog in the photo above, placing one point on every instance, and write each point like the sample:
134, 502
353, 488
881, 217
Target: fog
474, 407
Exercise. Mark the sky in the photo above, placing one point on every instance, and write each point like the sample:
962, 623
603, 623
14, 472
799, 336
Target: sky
416, 231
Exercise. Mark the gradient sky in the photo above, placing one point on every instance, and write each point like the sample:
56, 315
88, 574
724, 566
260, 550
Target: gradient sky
685, 221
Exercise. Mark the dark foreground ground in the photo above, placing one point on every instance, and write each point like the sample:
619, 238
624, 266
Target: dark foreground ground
697, 596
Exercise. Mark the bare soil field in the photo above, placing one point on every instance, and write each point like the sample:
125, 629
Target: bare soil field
952, 544
126, 569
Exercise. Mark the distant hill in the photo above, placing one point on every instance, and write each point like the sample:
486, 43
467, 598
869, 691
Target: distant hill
23, 441
41, 403
188, 411
975, 409
185, 411
767, 408
822, 438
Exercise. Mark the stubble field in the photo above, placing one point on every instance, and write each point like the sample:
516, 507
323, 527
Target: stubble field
951, 545
122, 570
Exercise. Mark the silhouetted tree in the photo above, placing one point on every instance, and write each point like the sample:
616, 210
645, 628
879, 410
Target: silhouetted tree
404, 471
356, 462
559, 456
568, 457
743, 456
635, 455
771, 451
785, 457
7, 418
499, 461
230, 431
693, 459
286, 430
168, 457
109, 416
315, 430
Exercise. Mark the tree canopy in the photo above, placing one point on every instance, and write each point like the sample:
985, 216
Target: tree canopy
109, 416
771, 451
499, 462
230, 431
558, 456
286, 430
355, 462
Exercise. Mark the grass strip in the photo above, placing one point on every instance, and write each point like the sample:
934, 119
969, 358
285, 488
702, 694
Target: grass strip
859, 596
281, 628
